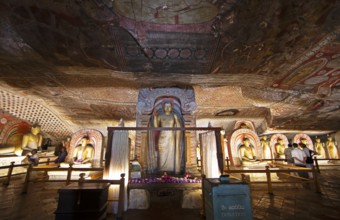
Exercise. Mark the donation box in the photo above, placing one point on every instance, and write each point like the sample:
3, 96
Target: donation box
88, 201
227, 200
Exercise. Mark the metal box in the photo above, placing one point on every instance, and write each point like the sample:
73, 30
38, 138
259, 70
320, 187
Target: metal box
228, 200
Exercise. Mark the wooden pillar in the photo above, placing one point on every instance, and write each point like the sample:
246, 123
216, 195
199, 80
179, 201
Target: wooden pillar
27, 178
9, 174
121, 196
269, 180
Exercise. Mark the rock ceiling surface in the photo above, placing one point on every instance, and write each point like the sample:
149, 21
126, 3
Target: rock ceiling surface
80, 64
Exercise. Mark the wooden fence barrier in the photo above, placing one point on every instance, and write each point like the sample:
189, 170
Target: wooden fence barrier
269, 181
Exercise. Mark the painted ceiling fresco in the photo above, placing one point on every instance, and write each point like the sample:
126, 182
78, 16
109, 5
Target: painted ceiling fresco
84, 61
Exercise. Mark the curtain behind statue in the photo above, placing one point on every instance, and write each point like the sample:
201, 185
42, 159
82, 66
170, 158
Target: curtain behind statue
119, 163
209, 155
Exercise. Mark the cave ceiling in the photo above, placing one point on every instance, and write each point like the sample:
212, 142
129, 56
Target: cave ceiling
80, 63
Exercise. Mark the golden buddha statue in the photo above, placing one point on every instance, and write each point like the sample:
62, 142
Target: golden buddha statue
280, 148
247, 153
82, 155
332, 148
319, 147
304, 141
84, 152
170, 150
265, 146
32, 141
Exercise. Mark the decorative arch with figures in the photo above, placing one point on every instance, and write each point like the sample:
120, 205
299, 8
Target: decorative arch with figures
297, 139
236, 140
274, 140
96, 140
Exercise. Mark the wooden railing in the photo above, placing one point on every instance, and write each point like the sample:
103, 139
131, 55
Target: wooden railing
288, 169
273, 161
68, 179
269, 181
13, 165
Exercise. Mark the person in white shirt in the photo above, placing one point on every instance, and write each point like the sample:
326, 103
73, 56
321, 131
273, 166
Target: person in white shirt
300, 157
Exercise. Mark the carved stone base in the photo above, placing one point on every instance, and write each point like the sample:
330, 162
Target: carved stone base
139, 199
5, 161
192, 199
261, 176
62, 175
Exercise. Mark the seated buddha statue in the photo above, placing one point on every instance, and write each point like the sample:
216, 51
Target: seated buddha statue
32, 140
247, 153
332, 148
305, 142
82, 154
319, 147
279, 149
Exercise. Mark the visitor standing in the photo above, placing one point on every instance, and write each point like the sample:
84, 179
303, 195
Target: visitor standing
309, 158
288, 155
299, 157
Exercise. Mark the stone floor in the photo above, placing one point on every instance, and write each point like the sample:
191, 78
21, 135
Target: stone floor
288, 201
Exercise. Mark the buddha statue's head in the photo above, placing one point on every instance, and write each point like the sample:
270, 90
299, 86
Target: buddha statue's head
280, 141
329, 137
84, 141
35, 129
303, 140
264, 138
167, 107
302, 145
246, 142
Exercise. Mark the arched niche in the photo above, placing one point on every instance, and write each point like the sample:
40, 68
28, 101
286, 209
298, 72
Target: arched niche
12, 134
274, 140
298, 137
149, 100
244, 124
236, 140
96, 140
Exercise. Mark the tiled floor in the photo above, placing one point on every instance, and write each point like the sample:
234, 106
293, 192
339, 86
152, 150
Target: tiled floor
289, 201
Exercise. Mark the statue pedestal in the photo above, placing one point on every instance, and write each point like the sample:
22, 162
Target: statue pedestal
323, 162
62, 175
6, 161
141, 195
260, 176
192, 199
139, 199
